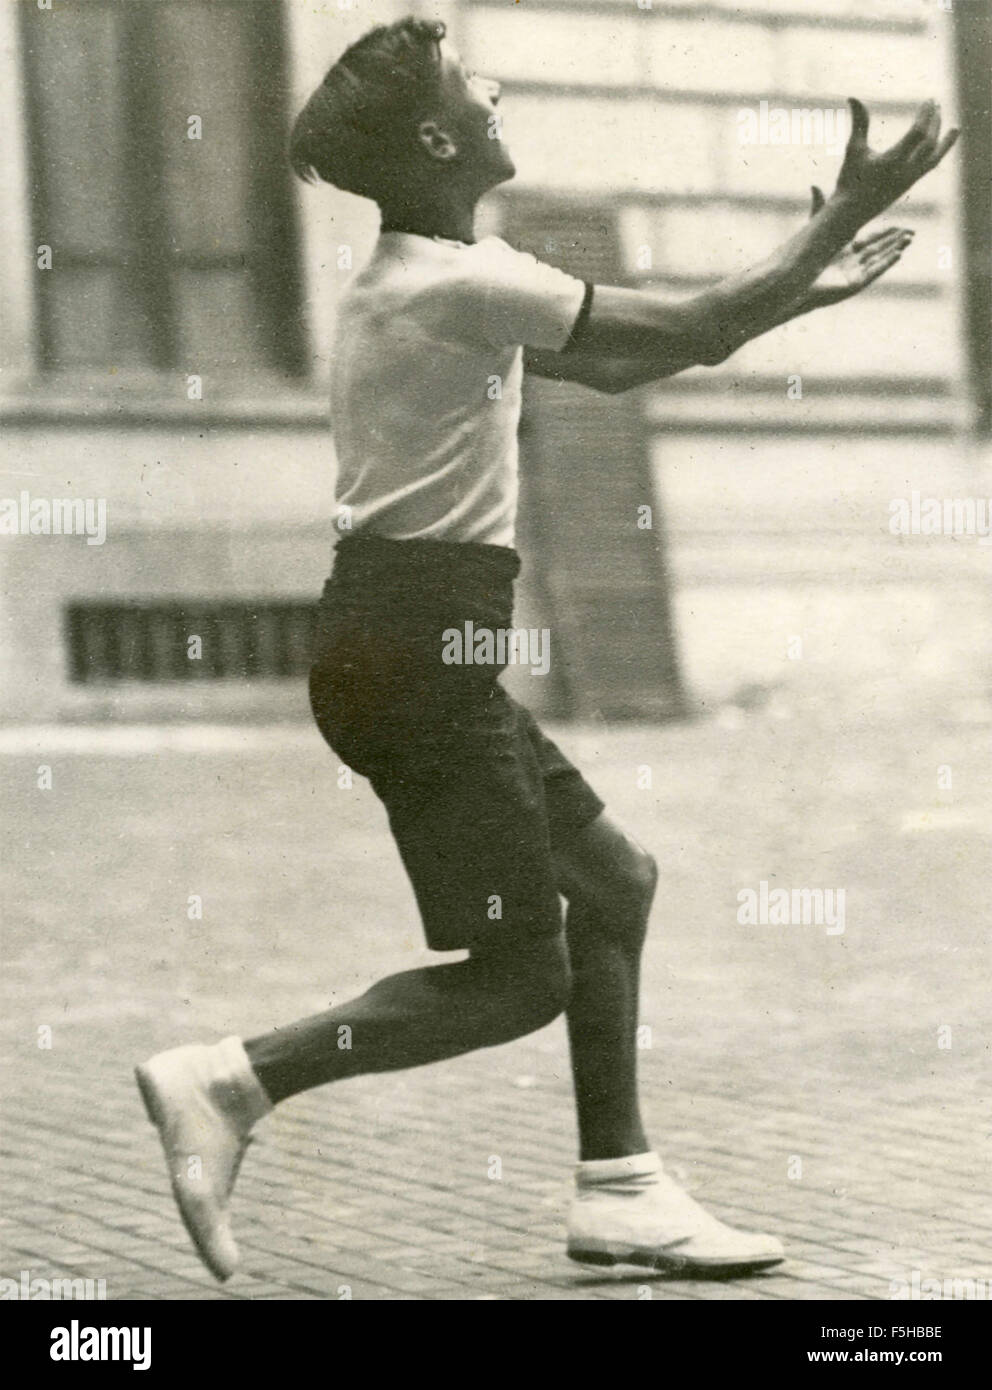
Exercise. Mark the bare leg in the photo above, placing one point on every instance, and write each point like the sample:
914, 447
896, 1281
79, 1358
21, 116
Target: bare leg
609, 882
419, 1016
626, 1209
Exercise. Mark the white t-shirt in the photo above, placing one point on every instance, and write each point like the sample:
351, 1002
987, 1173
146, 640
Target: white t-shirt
426, 378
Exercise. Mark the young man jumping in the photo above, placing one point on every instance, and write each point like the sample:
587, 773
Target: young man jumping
483, 807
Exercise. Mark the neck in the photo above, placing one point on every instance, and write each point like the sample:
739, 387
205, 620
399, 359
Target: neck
455, 221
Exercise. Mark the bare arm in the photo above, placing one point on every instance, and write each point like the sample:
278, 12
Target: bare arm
711, 325
858, 265
653, 338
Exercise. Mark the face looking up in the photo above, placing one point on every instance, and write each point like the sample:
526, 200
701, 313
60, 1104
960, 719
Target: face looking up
466, 130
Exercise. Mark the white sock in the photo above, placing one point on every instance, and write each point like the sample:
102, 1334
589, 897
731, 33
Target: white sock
597, 1171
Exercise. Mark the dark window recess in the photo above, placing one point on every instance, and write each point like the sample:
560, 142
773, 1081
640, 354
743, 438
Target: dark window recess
154, 641
168, 253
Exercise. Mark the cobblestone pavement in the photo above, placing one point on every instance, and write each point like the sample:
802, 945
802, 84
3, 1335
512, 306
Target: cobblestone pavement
824, 1086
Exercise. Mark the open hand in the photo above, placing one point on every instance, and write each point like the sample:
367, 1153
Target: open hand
871, 182
858, 264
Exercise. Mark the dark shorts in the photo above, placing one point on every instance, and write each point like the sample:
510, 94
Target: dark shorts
478, 798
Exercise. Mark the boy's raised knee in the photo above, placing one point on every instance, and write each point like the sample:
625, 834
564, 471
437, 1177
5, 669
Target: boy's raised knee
533, 981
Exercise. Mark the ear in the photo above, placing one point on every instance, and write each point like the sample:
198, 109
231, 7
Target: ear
437, 142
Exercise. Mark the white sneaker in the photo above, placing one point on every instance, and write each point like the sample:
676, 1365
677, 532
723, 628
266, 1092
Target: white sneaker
629, 1211
204, 1102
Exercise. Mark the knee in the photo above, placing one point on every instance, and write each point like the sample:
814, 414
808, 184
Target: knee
644, 874
636, 896
629, 890
619, 902
533, 986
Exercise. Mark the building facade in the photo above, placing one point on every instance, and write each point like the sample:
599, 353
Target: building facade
169, 300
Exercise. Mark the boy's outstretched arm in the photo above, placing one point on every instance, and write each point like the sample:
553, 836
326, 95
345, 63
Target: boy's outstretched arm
649, 338
857, 266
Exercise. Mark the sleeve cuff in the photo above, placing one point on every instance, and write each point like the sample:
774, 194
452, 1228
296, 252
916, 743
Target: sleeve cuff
581, 318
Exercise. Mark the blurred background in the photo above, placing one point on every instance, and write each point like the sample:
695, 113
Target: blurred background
173, 359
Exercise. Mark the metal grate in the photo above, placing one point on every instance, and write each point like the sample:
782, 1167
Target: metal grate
153, 641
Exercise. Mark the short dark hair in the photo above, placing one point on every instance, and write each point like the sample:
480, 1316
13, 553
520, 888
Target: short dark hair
347, 133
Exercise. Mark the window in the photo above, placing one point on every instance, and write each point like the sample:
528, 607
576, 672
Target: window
168, 252
136, 641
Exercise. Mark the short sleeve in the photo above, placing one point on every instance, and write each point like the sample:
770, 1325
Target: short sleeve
509, 298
